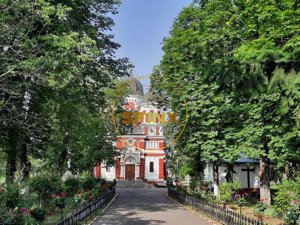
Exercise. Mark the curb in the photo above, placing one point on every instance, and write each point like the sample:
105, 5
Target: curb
103, 210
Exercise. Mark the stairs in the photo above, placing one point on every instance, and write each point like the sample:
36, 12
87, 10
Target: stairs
133, 184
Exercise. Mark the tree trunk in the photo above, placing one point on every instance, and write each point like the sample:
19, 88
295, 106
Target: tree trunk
63, 155
25, 165
216, 181
11, 152
264, 174
230, 172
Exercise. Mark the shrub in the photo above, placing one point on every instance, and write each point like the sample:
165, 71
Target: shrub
197, 182
72, 185
88, 183
11, 197
44, 186
270, 212
96, 192
186, 169
15, 217
227, 189
260, 207
293, 215
169, 181
287, 192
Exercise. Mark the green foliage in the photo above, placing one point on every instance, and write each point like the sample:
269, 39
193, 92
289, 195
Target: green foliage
241, 202
240, 72
227, 189
53, 79
204, 195
15, 217
293, 215
260, 207
11, 196
270, 212
169, 181
44, 186
72, 186
39, 214
88, 183
287, 192
186, 169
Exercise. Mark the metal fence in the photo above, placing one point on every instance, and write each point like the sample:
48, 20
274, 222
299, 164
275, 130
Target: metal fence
216, 212
82, 214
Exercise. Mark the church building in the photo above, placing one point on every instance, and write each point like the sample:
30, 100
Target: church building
141, 145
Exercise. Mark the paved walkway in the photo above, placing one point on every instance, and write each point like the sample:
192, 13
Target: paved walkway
147, 206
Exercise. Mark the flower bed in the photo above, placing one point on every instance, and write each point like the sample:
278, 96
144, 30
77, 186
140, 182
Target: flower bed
47, 200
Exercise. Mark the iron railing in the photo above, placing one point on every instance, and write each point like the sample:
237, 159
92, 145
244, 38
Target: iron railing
216, 212
82, 214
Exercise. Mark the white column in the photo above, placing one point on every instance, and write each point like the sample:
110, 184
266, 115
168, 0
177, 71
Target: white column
137, 171
123, 170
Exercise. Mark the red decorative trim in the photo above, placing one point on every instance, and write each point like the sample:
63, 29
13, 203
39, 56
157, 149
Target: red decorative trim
142, 168
118, 168
161, 169
98, 170
153, 154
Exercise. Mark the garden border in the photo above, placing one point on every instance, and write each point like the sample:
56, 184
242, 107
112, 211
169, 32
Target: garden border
89, 209
216, 212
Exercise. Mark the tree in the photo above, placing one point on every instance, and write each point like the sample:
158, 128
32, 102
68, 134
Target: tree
57, 56
240, 71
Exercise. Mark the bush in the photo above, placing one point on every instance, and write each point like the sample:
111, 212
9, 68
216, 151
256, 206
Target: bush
293, 215
11, 197
185, 170
72, 186
197, 182
227, 189
270, 212
88, 183
169, 181
287, 192
260, 208
44, 186
97, 192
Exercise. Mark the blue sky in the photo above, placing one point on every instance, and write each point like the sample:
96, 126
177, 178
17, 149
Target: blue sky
140, 28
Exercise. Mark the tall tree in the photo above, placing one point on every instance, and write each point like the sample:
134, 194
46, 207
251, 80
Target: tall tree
54, 55
240, 71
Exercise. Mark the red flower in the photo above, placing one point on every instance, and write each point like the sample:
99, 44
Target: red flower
53, 196
24, 211
63, 194
294, 202
260, 216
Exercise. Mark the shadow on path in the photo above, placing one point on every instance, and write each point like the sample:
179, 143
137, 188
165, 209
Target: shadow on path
140, 206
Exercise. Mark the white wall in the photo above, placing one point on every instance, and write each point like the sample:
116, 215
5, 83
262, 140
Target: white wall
108, 175
240, 175
152, 175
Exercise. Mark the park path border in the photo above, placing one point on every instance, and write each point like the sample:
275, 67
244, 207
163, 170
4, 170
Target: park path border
103, 210
224, 216
201, 214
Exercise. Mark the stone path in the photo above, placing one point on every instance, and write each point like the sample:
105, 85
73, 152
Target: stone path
142, 205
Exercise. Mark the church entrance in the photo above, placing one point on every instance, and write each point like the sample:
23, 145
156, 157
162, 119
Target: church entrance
130, 172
